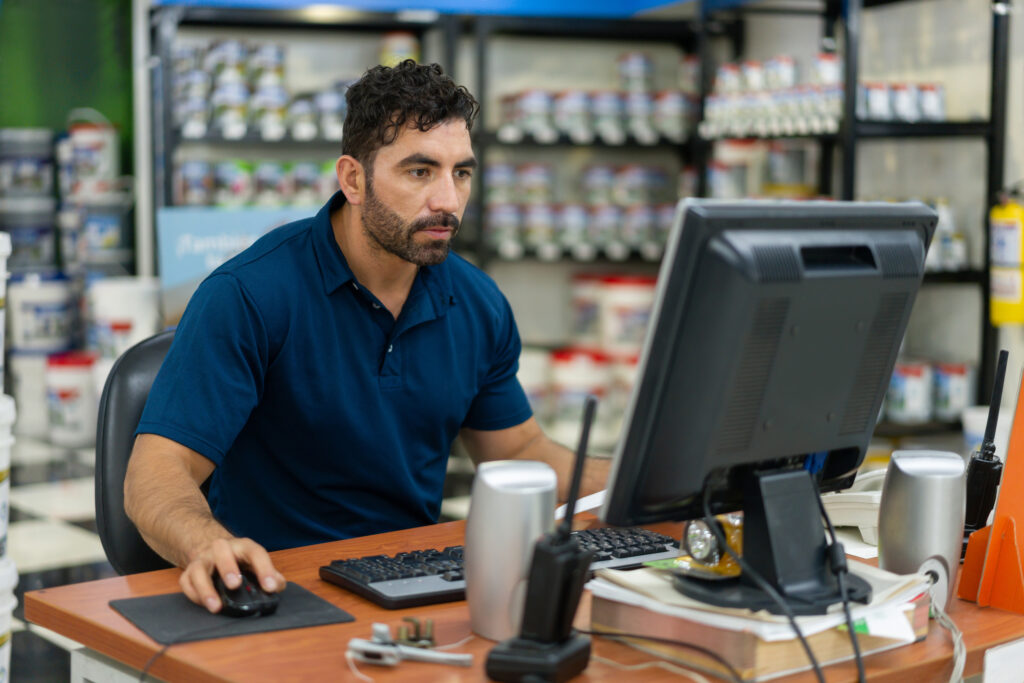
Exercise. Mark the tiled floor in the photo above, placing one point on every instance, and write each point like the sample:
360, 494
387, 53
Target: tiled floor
52, 539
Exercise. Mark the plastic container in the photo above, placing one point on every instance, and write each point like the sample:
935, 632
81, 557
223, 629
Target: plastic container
397, 46
5, 252
122, 311
106, 228
95, 149
575, 373
7, 416
40, 312
909, 398
71, 399
624, 372
8, 581
26, 162
535, 377
30, 223
626, 302
585, 310
953, 387
974, 420
27, 380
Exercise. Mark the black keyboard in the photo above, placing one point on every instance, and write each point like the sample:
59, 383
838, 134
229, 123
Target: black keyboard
425, 577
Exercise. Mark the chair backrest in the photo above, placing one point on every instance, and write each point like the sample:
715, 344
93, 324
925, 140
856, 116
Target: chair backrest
124, 396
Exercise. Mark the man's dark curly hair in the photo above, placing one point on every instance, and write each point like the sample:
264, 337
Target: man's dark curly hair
386, 99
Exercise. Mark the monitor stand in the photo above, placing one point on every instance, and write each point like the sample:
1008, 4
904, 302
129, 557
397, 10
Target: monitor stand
784, 541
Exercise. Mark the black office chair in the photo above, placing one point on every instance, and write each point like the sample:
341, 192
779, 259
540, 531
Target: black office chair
124, 396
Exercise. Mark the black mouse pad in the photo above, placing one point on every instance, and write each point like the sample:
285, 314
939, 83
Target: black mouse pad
173, 618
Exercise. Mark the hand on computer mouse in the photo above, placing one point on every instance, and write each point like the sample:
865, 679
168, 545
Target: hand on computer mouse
226, 555
247, 599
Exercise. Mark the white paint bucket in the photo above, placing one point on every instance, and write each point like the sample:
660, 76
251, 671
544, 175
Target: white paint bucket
39, 312
5, 251
8, 581
71, 399
7, 414
27, 373
122, 312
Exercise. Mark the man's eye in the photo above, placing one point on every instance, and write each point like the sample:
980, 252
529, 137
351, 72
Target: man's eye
464, 173
419, 172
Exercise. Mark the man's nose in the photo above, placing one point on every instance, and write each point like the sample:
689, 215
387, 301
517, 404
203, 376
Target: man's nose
445, 197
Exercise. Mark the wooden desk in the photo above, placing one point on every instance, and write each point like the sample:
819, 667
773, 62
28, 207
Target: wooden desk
81, 612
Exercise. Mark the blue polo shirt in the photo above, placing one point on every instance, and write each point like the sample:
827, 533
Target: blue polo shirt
325, 416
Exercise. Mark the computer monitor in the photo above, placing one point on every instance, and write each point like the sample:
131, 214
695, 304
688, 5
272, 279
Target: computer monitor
772, 339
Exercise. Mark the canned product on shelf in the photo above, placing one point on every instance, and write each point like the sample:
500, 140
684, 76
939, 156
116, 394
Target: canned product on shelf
636, 72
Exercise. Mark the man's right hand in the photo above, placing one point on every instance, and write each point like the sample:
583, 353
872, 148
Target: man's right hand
225, 556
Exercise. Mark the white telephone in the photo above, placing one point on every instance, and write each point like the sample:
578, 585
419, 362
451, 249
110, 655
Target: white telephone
858, 505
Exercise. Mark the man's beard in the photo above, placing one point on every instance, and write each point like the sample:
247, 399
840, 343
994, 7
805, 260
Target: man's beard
390, 232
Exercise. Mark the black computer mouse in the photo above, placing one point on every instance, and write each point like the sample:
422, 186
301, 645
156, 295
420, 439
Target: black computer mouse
246, 600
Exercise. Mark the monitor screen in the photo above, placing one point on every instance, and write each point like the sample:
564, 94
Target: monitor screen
771, 343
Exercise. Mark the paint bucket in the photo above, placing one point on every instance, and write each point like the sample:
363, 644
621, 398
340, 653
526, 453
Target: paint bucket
5, 251
39, 312
30, 223
105, 229
122, 312
26, 371
95, 150
8, 581
7, 415
71, 399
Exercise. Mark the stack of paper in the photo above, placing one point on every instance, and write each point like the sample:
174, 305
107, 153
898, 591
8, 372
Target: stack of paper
758, 644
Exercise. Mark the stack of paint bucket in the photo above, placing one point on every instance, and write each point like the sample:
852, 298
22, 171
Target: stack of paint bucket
8, 572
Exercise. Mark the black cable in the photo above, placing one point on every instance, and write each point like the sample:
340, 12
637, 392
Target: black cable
761, 583
668, 641
837, 562
187, 638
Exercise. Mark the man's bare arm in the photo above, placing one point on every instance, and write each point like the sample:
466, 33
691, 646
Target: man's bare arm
528, 442
162, 498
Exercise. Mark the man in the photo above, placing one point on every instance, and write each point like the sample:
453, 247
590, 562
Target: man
320, 376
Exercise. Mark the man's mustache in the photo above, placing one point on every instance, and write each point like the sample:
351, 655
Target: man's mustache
445, 220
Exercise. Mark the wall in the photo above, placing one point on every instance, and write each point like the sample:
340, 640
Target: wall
56, 55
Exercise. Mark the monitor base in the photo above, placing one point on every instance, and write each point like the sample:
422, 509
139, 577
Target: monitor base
734, 593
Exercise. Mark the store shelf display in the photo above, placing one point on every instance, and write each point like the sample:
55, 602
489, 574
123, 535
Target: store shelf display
614, 212
609, 314
262, 183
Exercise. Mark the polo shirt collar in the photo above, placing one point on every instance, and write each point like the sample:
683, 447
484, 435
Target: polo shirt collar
335, 271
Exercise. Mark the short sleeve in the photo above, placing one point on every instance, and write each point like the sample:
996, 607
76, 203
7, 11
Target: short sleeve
213, 375
501, 401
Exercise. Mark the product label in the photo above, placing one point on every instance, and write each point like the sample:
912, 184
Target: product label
1006, 285
102, 231
1006, 242
909, 396
5, 656
66, 408
952, 391
46, 323
627, 325
112, 337
5, 497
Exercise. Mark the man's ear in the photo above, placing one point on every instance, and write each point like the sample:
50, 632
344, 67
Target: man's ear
351, 179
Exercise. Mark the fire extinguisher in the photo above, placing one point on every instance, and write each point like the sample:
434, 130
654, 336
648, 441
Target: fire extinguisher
1006, 276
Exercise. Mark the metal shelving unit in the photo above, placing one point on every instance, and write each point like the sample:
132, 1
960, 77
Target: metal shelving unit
485, 28
166, 22
844, 16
